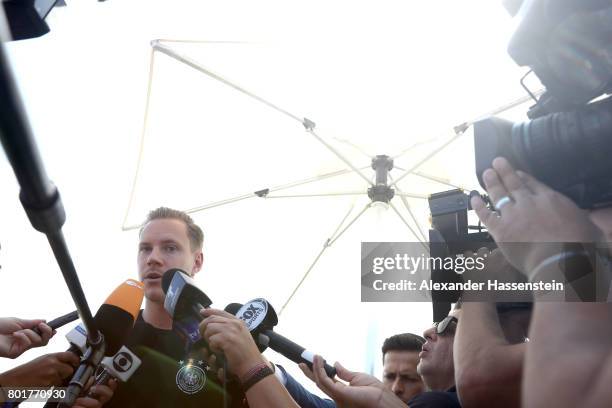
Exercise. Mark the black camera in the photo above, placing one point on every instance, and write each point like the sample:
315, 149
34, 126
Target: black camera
568, 45
449, 221
451, 236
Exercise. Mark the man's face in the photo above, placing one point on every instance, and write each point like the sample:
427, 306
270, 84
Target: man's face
437, 354
164, 245
400, 374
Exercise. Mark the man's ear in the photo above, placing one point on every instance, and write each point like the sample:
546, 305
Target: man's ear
197, 264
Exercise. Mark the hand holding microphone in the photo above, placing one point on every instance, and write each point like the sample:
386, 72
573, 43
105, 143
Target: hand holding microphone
54, 369
97, 395
44, 371
18, 335
185, 303
229, 335
260, 318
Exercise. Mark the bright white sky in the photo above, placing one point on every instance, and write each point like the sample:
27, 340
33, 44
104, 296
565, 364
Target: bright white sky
384, 75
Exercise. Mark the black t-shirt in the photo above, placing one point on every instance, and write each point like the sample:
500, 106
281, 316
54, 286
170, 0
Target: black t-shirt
436, 399
168, 375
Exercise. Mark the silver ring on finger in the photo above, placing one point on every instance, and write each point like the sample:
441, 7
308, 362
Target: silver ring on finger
502, 202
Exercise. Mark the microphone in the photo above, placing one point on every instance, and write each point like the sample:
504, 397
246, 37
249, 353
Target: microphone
60, 321
115, 319
183, 297
183, 302
117, 315
77, 338
121, 366
233, 308
260, 317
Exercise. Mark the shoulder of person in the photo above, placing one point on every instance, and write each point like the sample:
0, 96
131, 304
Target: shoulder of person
435, 399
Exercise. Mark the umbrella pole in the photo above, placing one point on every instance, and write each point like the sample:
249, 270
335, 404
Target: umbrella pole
337, 194
307, 123
263, 193
326, 245
408, 225
436, 179
405, 202
310, 129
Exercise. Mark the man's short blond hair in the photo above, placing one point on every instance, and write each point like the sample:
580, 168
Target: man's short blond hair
194, 232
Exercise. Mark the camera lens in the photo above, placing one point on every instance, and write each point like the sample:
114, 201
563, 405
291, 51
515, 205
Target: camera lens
568, 151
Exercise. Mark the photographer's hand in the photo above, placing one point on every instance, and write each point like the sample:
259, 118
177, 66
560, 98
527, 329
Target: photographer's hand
535, 214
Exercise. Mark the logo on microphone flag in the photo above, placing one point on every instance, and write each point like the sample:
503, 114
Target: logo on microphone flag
253, 313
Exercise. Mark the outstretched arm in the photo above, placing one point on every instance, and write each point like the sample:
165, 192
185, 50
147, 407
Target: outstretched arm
229, 335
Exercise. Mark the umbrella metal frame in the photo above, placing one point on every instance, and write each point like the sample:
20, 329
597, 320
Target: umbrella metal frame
380, 191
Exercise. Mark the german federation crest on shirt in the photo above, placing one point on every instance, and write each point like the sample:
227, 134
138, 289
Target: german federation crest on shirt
191, 376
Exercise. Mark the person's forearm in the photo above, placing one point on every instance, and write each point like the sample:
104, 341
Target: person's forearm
479, 321
301, 395
269, 393
12, 378
485, 364
390, 400
569, 357
478, 332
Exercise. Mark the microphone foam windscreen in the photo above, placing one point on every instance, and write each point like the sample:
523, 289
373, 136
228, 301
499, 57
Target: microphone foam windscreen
168, 276
128, 296
233, 308
117, 315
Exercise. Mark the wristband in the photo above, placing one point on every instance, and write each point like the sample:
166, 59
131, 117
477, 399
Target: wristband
562, 256
255, 374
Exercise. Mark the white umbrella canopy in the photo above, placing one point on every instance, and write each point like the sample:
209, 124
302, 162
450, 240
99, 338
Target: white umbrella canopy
390, 77
382, 79
387, 79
